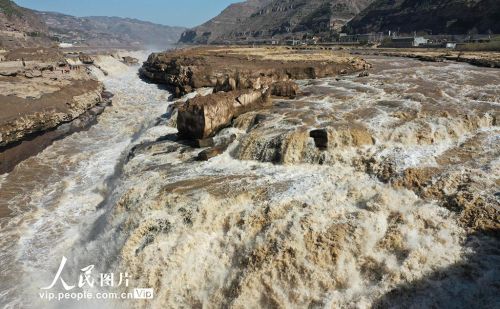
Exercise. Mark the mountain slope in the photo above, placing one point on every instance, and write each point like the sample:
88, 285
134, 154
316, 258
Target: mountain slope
300, 16
20, 27
436, 16
110, 31
224, 23
265, 19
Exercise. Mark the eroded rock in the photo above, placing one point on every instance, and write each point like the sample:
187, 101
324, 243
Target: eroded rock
86, 59
33, 74
203, 116
9, 72
130, 60
237, 69
320, 138
364, 74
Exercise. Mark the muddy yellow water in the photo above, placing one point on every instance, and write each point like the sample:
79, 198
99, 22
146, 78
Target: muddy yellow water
397, 208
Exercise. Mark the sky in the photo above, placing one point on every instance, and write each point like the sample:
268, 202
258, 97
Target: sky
186, 13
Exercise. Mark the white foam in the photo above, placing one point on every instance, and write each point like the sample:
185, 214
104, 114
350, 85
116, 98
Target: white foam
3, 177
225, 209
59, 203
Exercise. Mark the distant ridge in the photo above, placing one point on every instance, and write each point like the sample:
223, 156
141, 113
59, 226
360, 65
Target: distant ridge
275, 18
115, 31
22, 27
223, 24
436, 17
264, 19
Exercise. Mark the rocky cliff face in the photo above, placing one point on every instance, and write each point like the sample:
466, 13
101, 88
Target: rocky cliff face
271, 18
44, 100
51, 110
438, 17
241, 68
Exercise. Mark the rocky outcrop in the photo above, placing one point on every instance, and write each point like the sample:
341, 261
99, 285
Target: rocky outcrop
33, 73
203, 116
233, 69
9, 72
480, 59
130, 60
35, 142
17, 128
86, 59
302, 144
37, 98
477, 61
215, 150
242, 79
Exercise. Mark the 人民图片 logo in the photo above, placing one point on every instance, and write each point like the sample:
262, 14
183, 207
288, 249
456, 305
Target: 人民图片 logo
87, 282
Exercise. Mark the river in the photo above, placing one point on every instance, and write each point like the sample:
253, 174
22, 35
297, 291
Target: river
55, 195
272, 222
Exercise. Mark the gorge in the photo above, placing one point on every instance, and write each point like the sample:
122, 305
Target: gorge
283, 154
366, 190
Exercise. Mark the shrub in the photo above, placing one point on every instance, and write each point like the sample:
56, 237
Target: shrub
9, 8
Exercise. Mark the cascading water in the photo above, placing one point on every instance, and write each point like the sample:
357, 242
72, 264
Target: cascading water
53, 197
274, 221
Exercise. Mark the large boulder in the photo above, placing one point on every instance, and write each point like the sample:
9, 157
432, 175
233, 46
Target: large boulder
86, 59
203, 116
130, 60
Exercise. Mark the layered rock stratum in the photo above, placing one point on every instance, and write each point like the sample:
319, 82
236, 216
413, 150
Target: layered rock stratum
39, 93
478, 58
228, 69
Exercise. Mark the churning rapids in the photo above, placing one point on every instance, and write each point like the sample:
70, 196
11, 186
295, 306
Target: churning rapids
274, 221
